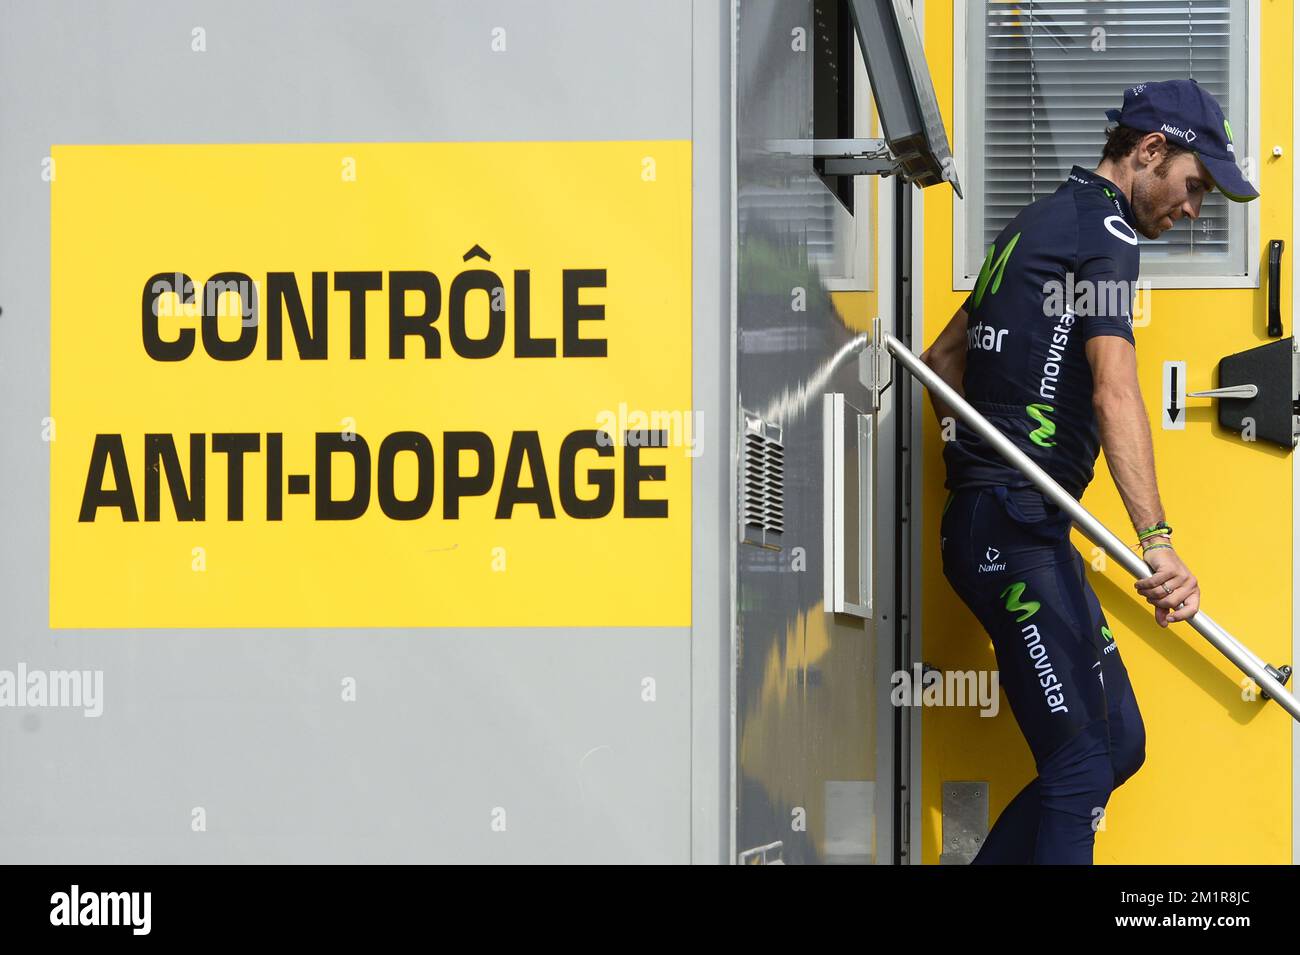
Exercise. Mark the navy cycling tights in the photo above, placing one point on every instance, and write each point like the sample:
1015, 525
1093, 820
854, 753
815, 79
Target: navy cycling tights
1007, 554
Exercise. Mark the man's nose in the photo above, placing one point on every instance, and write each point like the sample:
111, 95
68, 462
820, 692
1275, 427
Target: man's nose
1192, 207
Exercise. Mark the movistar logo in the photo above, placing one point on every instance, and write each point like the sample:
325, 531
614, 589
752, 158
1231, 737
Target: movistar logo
1013, 602
992, 269
1046, 426
1110, 639
985, 337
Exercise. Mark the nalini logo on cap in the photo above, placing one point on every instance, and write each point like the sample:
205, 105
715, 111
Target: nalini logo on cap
1187, 134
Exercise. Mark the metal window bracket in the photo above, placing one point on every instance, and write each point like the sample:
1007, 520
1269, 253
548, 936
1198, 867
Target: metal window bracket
836, 157
914, 146
855, 157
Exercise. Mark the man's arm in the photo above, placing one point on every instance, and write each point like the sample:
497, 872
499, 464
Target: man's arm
947, 359
1126, 439
1125, 431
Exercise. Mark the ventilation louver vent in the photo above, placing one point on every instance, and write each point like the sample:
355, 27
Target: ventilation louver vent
762, 483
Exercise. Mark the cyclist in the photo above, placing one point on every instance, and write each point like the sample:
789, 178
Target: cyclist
1044, 348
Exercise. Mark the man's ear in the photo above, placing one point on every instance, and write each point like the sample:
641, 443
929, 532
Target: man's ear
1149, 149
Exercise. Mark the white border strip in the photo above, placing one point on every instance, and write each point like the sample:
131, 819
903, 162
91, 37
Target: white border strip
732, 482
1295, 469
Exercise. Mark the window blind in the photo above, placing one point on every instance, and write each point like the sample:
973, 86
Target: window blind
1051, 68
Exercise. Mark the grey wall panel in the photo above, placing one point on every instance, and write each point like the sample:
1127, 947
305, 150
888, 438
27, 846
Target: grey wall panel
391, 71
446, 727
448, 724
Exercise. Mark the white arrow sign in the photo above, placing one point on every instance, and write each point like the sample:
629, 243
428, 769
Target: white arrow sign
1173, 403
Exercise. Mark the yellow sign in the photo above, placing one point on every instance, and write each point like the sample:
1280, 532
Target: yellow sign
371, 385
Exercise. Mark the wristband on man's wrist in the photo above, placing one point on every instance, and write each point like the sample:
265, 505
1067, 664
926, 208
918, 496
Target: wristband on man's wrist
1155, 530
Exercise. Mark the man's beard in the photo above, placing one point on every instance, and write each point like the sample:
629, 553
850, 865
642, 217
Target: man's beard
1144, 209
1144, 213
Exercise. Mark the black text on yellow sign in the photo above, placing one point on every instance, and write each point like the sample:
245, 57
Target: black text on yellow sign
371, 474
342, 417
109, 481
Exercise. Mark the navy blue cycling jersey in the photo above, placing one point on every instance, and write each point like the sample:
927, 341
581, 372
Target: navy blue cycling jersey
1063, 271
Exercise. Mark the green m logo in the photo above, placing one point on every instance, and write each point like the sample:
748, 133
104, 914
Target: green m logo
1012, 596
1105, 632
1046, 426
992, 270
1227, 129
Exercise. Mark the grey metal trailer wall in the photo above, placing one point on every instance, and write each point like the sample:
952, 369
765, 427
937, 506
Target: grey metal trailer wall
815, 732
448, 724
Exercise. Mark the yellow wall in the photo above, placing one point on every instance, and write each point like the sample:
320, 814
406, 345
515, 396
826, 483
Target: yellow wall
1216, 786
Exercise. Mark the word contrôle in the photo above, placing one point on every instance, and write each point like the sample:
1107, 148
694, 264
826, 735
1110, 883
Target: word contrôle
408, 317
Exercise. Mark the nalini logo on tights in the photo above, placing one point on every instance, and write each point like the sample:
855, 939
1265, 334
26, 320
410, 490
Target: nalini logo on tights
1013, 602
1046, 426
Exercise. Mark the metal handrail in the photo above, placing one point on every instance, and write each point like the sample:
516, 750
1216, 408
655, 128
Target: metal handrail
1098, 533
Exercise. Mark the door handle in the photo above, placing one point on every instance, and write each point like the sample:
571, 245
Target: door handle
1275, 288
1229, 391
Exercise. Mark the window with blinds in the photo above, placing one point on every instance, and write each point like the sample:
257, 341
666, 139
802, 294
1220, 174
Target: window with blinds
1042, 73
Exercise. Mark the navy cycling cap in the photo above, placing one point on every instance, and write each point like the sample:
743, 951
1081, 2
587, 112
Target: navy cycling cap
1191, 117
